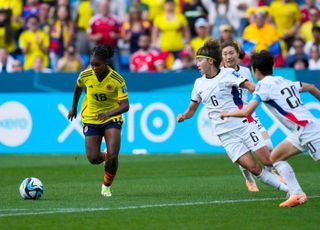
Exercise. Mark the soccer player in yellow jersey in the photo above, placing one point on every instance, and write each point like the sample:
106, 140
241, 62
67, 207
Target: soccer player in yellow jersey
106, 100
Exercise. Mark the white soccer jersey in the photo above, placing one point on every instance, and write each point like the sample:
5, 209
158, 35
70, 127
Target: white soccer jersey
244, 72
282, 97
219, 94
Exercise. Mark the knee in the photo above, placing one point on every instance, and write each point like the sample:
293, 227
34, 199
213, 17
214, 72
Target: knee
267, 161
93, 160
255, 169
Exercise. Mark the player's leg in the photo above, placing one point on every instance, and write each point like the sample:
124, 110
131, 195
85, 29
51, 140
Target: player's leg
93, 137
247, 161
93, 145
112, 137
239, 143
281, 153
250, 181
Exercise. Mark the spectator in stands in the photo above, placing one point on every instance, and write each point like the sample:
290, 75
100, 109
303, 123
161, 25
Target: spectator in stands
71, 61
315, 41
131, 30
305, 10
155, 8
242, 6
202, 31
144, 8
260, 32
261, 35
286, 15
32, 7
193, 10
84, 12
300, 64
38, 65
185, 61
222, 12
34, 43
14, 7
225, 33
146, 59
44, 11
314, 60
299, 54
306, 27
172, 28
117, 8
62, 33
16, 66
6, 32
6, 61
105, 30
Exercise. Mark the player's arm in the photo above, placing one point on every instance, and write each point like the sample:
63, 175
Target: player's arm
311, 88
247, 111
248, 85
76, 95
190, 111
123, 107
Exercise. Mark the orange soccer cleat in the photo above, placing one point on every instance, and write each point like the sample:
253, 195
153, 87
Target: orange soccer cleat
294, 200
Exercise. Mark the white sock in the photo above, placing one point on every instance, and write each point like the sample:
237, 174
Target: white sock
247, 175
285, 170
270, 179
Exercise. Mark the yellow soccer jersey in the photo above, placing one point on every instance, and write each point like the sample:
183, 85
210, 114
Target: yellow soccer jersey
101, 96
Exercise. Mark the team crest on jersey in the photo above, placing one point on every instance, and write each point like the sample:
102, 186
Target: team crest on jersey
109, 87
124, 89
235, 73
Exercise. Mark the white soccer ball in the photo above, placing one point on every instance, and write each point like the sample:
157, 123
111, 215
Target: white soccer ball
31, 188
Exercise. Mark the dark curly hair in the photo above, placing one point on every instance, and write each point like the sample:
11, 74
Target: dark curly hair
103, 53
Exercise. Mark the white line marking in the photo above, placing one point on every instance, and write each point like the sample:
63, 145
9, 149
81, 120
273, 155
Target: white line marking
24, 212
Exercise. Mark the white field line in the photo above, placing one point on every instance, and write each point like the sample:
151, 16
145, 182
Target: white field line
28, 212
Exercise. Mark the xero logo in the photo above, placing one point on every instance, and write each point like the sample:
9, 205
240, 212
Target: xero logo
15, 124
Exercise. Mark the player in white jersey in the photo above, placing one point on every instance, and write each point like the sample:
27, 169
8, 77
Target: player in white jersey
217, 89
231, 54
283, 99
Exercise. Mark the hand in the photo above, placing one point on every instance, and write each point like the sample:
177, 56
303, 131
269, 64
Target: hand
180, 118
72, 114
103, 116
224, 114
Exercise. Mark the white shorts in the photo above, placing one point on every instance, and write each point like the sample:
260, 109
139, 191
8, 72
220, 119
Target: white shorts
307, 139
240, 141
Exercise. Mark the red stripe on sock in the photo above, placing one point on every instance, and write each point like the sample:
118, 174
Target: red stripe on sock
108, 179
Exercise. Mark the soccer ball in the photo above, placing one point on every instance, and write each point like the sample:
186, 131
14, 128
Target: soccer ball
31, 188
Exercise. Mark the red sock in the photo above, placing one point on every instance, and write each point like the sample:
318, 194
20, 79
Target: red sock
108, 179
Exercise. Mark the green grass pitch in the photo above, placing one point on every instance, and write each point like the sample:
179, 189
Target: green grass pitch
151, 192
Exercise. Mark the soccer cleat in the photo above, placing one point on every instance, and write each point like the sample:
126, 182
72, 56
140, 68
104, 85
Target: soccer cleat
105, 191
252, 187
294, 200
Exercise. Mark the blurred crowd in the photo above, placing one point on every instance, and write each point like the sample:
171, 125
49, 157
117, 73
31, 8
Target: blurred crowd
153, 35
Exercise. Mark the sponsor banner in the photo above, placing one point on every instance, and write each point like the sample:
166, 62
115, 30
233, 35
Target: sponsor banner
37, 123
